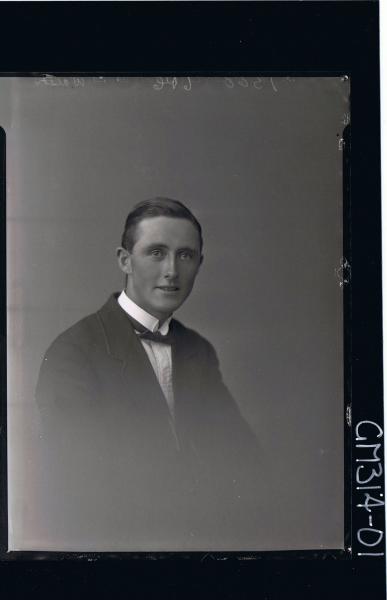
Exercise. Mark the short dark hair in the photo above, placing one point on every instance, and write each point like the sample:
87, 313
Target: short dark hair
156, 207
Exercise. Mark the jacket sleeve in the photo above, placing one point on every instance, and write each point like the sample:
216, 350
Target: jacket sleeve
65, 376
66, 477
66, 399
235, 458
224, 408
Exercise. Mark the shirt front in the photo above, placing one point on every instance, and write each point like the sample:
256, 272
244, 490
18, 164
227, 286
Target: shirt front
159, 354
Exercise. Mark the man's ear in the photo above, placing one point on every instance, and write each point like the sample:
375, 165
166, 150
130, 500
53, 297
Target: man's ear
124, 259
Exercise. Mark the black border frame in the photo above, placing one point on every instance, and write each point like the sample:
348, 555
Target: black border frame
227, 38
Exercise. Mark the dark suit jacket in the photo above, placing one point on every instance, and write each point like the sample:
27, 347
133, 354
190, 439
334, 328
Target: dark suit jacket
112, 474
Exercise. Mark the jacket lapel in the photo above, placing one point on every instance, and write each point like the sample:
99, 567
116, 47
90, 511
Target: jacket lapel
185, 362
122, 345
187, 378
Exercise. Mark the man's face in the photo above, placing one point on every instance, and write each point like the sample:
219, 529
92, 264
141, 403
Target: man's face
162, 265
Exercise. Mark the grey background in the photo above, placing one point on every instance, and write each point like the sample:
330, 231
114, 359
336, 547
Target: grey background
258, 161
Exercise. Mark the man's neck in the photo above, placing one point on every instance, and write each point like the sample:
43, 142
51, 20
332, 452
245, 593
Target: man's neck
142, 316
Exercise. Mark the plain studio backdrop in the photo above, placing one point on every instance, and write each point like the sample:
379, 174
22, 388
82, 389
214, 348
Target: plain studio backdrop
259, 162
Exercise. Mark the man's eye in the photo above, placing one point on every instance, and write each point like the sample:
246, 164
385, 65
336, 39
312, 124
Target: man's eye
186, 255
157, 253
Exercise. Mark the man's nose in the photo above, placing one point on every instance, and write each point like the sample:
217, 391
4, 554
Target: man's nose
171, 267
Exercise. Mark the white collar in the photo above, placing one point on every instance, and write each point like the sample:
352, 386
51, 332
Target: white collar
141, 316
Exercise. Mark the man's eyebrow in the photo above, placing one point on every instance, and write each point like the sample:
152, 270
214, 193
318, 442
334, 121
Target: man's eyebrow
187, 249
161, 245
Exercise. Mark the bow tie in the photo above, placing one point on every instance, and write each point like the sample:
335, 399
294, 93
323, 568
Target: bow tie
145, 334
156, 337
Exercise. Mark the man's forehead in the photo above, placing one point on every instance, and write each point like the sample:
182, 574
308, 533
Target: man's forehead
164, 229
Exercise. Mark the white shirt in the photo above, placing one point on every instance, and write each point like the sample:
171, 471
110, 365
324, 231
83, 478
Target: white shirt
160, 355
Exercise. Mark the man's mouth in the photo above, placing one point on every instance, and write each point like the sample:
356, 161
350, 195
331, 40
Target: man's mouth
168, 288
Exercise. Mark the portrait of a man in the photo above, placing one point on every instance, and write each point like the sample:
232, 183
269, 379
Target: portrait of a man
133, 402
175, 313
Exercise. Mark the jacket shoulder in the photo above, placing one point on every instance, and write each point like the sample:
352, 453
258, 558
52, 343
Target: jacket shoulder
192, 337
85, 333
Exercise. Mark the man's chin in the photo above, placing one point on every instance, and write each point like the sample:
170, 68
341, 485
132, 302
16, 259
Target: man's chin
167, 307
